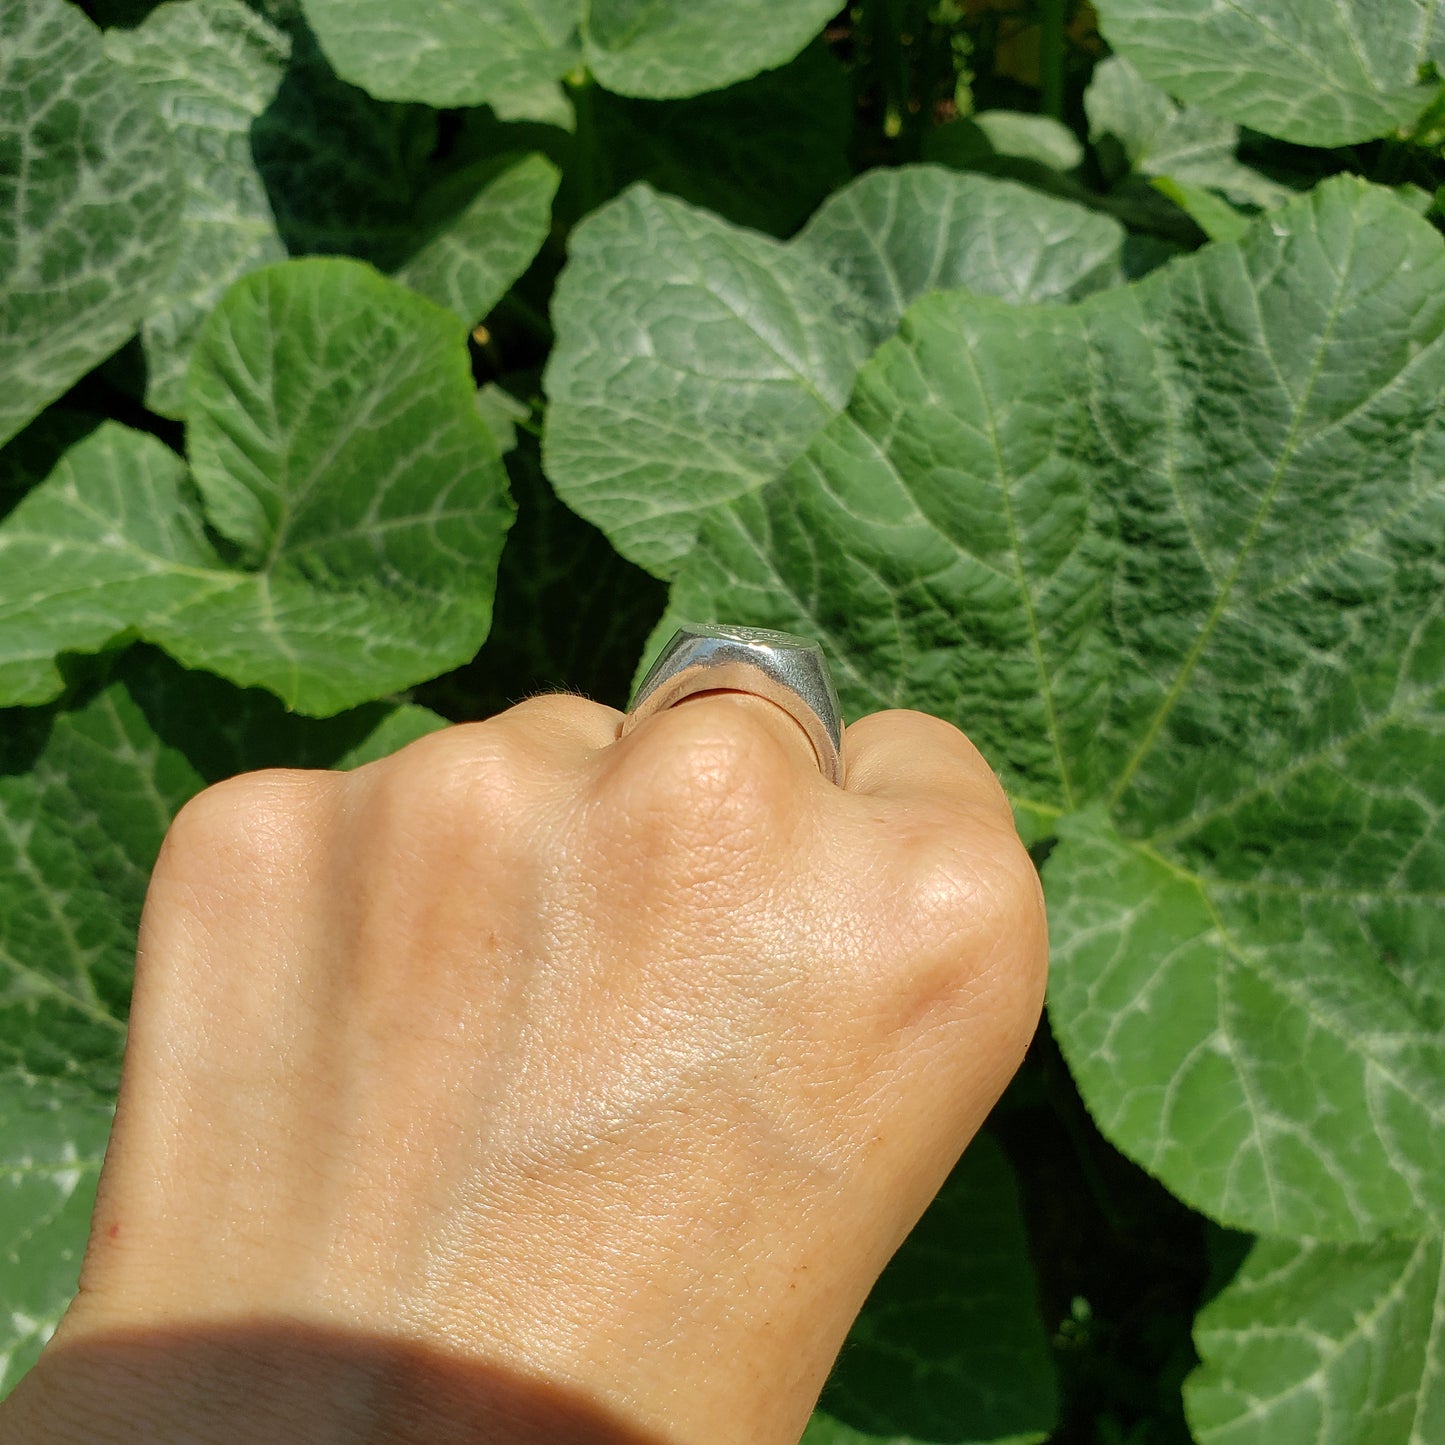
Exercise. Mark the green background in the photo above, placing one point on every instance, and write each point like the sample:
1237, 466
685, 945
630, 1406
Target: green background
1071, 371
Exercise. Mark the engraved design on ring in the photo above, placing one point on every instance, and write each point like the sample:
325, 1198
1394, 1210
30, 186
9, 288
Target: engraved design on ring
787, 670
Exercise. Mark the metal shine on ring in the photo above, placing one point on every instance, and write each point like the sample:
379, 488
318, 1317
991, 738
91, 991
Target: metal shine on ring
787, 670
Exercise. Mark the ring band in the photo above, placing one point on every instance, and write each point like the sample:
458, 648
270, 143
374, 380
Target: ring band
787, 670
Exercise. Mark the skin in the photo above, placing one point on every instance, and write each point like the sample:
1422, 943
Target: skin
534, 1085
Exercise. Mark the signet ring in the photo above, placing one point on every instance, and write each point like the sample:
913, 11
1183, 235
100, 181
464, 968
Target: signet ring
787, 670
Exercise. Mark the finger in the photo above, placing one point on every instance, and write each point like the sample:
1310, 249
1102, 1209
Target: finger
559, 732
730, 710
565, 721
560, 728
912, 757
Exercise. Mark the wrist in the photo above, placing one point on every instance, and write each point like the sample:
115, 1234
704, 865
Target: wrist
287, 1381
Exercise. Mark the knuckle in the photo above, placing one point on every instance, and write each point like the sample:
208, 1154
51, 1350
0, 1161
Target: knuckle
921, 727
921, 735
947, 895
973, 912
970, 873
702, 806
569, 711
1021, 922
231, 856
703, 769
446, 786
248, 817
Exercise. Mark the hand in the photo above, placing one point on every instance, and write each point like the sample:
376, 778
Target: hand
609, 1073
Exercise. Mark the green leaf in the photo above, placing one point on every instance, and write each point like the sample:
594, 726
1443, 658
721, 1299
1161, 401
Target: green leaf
88, 198
52, 1141
684, 47
1273, 1031
502, 413
694, 360
279, 154
85, 799
1014, 134
110, 539
471, 51
1187, 581
1047, 157
1210, 211
84, 802
1337, 1345
544, 103
894, 235
468, 263
335, 440
29, 458
949, 1348
1321, 75
222, 730
337, 447
462, 53
210, 68
1158, 138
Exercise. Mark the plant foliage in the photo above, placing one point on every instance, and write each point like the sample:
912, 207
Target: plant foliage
1073, 374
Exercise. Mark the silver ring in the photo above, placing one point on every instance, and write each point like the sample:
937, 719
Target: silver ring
787, 670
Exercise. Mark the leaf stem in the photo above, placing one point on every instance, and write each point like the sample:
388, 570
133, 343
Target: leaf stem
589, 164
1053, 15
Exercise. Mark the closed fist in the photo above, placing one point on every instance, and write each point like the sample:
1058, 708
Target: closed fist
618, 1065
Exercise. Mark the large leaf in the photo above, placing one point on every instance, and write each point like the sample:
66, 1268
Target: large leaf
466, 52
338, 450
85, 798
949, 1348
1333, 1344
29, 458
694, 360
279, 154
88, 199
1186, 581
1322, 75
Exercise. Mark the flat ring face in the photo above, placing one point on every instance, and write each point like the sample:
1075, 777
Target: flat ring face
787, 670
